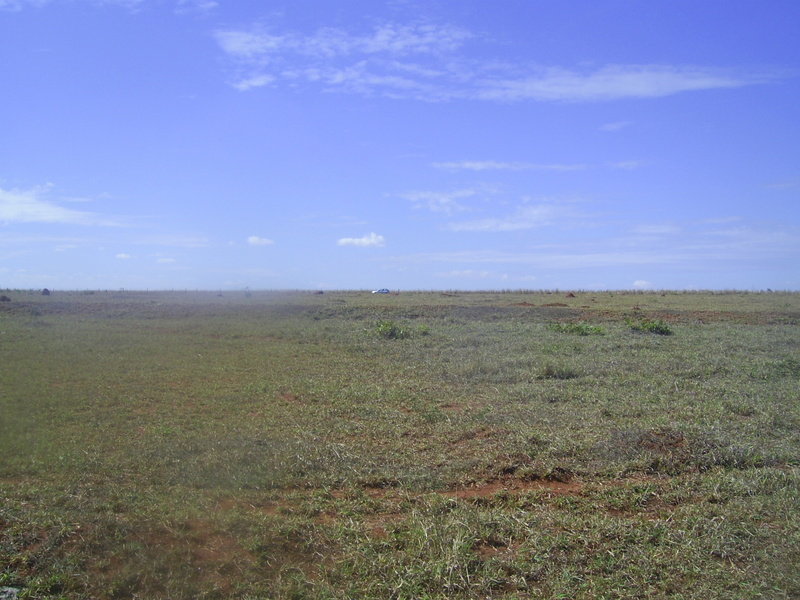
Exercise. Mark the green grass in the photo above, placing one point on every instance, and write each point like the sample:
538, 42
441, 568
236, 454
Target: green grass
580, 328
420, 445
659, 326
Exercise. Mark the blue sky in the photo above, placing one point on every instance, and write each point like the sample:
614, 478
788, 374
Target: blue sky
516, 144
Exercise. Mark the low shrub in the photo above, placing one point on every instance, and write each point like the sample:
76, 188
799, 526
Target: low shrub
392, 330
580, 328
659, 327
551, 371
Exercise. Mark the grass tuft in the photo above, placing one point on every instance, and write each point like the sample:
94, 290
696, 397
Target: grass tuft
658, 326
562, 372
391, 330
580, 328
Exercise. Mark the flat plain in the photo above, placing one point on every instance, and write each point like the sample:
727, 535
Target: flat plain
416, 445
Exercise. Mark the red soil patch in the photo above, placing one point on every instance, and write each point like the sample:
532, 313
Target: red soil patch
493, 548
482, 433
267, 507
516, 486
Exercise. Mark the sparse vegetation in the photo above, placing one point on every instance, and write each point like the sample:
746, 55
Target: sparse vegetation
551, 371
658, 326
278, 445
392, 330
580, 328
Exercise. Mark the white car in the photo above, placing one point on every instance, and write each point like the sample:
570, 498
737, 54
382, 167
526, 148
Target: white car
381, 291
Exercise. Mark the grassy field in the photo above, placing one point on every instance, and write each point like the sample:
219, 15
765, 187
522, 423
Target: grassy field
419, 445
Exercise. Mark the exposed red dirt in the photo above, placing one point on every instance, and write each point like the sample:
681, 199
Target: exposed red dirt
515, 486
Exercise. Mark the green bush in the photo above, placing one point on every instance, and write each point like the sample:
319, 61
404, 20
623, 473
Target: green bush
581, 328
551, 371
659, 327
392, 330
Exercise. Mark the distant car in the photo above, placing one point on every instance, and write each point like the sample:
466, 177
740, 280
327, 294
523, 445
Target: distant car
381, 291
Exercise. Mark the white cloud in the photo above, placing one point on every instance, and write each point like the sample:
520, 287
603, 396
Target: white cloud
614, 82
468, 273
371, 239
124, 3
554, 258
720, 220
690, 248
195, 6
329, 42
182, 6
424, 62
33, 206
253, 82
628, 165
179, 241
165, 260
642, 284
525, 217
123, 256
491, 165
20, 4
656, 230
616, 126
254, 240
245, 45
444, 202
785, 185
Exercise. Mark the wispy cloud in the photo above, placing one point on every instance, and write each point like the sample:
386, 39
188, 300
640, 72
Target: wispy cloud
472, 273
443, 202
388, 39
178, 241
785, 185
34, 206
253, 82
182, 6
687, 245
373, 63
614, 82
628, 165
369, 240
195, 6
18, 240
525, 217
491, 165
615, 126
428, 62
550, 258
653, 231
20, 4
254, 240
123, 3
